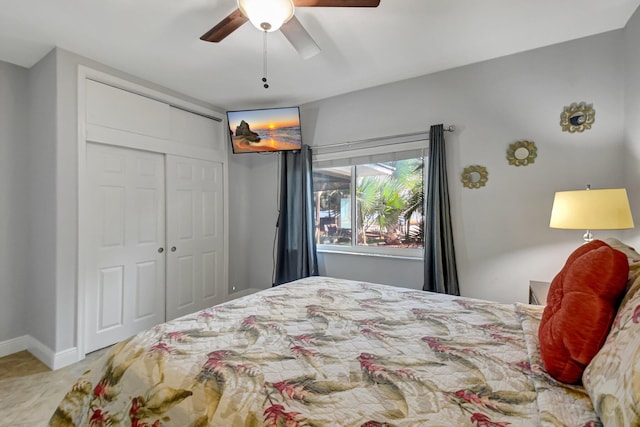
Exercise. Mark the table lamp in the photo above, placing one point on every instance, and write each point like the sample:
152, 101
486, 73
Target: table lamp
606, 209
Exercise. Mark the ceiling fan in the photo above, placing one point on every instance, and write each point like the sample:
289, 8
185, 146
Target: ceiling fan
272, 15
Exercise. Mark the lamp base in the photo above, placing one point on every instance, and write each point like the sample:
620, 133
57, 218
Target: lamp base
588, 236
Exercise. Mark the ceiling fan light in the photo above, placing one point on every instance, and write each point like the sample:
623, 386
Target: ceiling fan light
267, 15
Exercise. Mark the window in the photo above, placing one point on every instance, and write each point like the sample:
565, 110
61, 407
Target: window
372, 204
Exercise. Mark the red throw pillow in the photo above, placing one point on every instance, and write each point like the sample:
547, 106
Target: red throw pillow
581, 304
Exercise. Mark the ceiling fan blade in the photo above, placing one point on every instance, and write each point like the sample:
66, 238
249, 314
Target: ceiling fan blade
225, 27
336, 3
300, 38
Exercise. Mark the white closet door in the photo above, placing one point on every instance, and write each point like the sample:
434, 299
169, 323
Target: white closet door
125, 274
195, 238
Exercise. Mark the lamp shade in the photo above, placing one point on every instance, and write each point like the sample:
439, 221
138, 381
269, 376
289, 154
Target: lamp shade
606, 209
267, 15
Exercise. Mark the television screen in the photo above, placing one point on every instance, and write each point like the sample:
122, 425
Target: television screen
272, 129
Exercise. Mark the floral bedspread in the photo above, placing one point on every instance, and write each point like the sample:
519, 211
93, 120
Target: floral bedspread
330, 352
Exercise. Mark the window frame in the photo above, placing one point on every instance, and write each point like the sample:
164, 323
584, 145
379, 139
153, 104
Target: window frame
381, 251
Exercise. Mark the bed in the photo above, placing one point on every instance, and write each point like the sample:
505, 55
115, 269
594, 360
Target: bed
330, 352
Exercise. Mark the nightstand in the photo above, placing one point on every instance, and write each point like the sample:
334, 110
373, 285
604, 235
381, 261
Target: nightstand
538, 292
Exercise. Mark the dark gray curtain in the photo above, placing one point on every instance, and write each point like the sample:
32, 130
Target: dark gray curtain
440, 272
296, 246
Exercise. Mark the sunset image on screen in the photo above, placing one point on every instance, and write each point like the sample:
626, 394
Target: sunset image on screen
273, 129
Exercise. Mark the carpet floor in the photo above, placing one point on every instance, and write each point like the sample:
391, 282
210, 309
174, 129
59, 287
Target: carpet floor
30, 391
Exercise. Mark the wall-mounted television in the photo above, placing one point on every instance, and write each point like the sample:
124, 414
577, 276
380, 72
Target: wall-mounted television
265, 130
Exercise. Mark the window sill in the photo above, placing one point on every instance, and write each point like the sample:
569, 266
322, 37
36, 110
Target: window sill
371, 254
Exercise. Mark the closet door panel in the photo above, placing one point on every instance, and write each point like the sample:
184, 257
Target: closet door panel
112, 200
119, 109
125, 271
186, 205
111, 298
146, 280
211, 267
192, 129
186, 272
195, 261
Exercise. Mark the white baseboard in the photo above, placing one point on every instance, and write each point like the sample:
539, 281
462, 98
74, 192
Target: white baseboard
65, 358
41, 351
47, 356
13, 345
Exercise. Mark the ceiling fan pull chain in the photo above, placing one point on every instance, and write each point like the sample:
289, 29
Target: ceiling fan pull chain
264, 61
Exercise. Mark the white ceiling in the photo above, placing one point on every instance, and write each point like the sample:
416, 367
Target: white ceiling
158, 40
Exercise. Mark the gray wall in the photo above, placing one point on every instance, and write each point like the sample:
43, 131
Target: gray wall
14, 204
632, 122
240, 238
42, 197
501, 231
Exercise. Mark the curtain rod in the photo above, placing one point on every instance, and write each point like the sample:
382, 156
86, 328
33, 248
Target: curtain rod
386, 140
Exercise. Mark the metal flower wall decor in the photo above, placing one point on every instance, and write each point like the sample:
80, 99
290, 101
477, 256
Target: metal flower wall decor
522, 153
577, 117
474, 176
